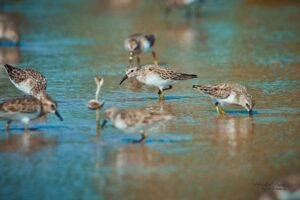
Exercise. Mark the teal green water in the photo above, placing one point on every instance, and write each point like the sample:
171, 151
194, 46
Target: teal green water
196, 155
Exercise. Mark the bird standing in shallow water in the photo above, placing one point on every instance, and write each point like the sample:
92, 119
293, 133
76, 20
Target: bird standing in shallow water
228, 93
153, 75
139, 43
28, 81
94, 103
134, 120
26, 110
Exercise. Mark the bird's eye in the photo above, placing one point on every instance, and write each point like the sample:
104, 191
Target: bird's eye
131, 70
53, 106
247, 105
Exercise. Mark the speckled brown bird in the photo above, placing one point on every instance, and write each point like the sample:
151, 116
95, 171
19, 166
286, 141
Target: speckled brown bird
154, 75
134, 120
139, 43
28, 81
26, 110
228, 93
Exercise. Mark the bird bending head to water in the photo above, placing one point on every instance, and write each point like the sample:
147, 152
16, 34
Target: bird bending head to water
228, 93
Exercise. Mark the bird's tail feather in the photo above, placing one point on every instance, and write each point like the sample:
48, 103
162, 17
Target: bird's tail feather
204, 88
182, 76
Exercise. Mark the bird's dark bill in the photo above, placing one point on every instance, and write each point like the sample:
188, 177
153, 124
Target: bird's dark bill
103, 123
58, 115
124, 78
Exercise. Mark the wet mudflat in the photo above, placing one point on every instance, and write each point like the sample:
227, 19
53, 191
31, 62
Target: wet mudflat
197, 155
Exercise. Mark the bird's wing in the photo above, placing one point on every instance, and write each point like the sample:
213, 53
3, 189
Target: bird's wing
41, 81
20, 106
221, 91
133, 117
166, 73
17, 75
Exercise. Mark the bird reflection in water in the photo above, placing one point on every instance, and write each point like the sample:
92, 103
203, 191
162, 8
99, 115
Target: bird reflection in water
10, 55
235, 131
185, 35
114, 5
26, 143
138, 159
9, 30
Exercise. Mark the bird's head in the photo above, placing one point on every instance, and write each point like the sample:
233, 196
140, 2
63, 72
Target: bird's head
130, 72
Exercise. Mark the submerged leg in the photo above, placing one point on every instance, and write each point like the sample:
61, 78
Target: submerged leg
144, 137
160, 95
154, 58
8, 125
26, 128
219, 109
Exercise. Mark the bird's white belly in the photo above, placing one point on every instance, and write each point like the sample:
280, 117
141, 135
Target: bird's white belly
155, 80
24, 87
146, 45
229, 100
120, 124
25, 118
188, 1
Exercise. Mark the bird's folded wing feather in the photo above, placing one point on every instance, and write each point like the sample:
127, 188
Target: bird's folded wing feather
19, 105
132, 117
39, 78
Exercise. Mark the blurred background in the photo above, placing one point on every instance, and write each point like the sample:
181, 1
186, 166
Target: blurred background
197, 155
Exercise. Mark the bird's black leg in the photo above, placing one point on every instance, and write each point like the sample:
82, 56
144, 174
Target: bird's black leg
160, 95
219, 109
8, 125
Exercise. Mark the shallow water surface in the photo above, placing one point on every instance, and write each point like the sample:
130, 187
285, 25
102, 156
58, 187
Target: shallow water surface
197, 155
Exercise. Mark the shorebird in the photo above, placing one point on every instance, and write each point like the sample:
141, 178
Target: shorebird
154, 75
28, 81
139, 43
228, 93
94, 103
26, 110
134, 120
8, 31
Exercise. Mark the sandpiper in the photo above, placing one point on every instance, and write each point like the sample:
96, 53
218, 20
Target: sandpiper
8, 31
28, 81
95, 103
228, 93
27, 109
154, 75
139, 43
134, 120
